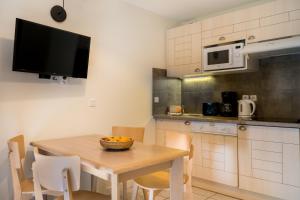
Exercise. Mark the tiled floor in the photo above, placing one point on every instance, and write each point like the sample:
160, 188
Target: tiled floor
198, 194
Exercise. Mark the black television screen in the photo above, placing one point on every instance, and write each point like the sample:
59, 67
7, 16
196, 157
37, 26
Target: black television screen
50, 51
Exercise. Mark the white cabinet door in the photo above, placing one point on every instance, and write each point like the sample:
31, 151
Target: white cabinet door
286, 29
224, 38
184, 50
269, 161
291, 164
215, 158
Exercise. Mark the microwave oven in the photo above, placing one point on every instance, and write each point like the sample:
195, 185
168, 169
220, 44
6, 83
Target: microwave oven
223, 57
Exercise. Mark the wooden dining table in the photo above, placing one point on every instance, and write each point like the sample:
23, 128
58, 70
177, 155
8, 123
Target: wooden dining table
120, 166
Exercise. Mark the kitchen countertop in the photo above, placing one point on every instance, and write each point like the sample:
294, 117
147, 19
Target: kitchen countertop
218, 119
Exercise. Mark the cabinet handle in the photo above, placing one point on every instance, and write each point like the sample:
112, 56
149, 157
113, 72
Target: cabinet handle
222, 38
242, 128
187, 123
251, 37
197, 70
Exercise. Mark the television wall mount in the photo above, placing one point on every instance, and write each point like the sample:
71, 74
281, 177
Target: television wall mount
58, 13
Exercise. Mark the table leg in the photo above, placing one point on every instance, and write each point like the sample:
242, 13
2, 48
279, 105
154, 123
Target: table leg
115, 187
176, 180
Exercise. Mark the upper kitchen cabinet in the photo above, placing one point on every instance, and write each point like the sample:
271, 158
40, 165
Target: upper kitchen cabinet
184, 50
268, 21
276, 26
272, 20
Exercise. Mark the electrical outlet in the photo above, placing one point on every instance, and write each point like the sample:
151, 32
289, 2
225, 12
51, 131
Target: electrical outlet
253, 97
245, 97
156, 99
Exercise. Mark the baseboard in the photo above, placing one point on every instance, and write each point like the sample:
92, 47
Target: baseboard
229, 191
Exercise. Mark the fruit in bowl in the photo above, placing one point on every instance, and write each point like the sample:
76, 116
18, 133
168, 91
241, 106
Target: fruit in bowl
116, 142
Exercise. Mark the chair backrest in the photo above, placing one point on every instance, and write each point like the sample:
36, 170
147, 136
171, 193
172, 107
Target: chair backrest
15, 177
136, 133
16, 145
16, 155
178, 140
56, 173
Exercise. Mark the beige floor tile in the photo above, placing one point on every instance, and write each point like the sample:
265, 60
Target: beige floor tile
221, 197
203, 192
160, 198
198, 194
165, 193
198, 197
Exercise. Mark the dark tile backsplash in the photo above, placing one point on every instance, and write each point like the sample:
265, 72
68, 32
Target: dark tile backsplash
167, 89
276, 84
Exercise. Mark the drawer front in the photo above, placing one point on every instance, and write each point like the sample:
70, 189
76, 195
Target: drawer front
269, 134
215, 128
173, 125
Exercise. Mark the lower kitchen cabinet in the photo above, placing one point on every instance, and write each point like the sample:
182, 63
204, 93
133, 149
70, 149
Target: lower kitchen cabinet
215, 158
262, 159
269, 161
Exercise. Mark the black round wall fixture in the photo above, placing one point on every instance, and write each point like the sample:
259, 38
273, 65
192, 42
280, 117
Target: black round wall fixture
58, 13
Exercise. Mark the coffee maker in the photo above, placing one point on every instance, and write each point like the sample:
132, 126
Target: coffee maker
229, 104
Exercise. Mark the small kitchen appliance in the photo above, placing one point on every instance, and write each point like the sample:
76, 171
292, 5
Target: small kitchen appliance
175, 110
229, 105
224, 57
246, 108
210, 109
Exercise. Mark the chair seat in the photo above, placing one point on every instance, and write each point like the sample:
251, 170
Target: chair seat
27, 186
157, 180
86, 195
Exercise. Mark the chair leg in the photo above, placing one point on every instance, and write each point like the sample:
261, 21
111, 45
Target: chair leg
151, 195
134, 193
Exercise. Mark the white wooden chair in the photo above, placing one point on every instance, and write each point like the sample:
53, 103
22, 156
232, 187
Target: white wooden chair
158, 181
136, 133
22, 186
61, 174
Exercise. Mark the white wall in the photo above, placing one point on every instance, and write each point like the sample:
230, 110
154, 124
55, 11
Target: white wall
126, 43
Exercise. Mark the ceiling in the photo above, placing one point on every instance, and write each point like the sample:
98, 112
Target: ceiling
188, 9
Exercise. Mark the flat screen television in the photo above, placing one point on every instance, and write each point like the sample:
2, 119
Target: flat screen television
50, 51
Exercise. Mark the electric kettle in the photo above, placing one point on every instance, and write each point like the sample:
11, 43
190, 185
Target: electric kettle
246, 108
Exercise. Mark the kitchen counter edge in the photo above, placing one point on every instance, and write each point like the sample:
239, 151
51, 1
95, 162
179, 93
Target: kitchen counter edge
231, 120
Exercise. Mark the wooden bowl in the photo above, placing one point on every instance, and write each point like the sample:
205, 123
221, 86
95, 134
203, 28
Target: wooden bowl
116, 143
